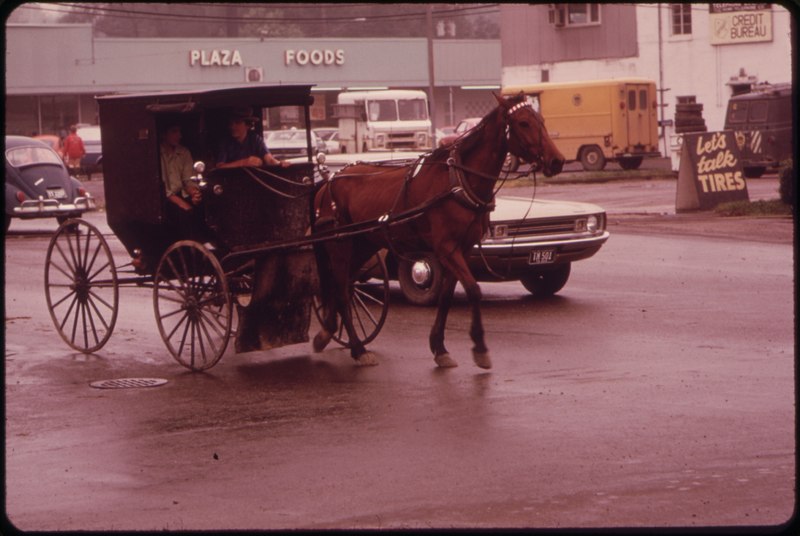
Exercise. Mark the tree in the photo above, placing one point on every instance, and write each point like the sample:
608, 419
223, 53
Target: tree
282, 19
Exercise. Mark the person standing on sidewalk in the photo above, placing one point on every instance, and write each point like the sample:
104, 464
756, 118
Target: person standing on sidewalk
73, 150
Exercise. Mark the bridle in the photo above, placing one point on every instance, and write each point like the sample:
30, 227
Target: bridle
538, 158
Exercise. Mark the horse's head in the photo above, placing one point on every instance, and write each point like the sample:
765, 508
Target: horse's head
527, 136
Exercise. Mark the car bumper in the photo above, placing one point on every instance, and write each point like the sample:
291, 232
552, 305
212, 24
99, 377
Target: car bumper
514, 258
42, 208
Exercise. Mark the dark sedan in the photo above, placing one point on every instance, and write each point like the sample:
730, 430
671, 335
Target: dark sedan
38, 184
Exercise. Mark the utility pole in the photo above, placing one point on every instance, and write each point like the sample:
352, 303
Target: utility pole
232, 30
431, 81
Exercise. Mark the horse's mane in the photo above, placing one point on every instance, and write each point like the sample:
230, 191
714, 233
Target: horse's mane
466, 142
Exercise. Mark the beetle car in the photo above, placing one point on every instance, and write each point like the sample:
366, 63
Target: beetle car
38, 184
534, 242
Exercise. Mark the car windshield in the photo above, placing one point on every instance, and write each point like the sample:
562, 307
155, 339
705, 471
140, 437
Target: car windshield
382, 110
737, 112
287, 135
26, 156
412, 109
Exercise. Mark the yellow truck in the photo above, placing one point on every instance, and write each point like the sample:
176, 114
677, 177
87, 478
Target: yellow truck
600, 120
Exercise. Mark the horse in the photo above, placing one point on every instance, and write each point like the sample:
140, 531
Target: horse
438, 204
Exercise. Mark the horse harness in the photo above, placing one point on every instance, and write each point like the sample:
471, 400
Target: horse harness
459, 188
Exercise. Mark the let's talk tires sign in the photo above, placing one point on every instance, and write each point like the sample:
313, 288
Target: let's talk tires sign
710, 172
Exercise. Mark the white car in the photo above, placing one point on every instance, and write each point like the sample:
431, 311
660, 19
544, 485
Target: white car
291, 143
331, 138
534, 242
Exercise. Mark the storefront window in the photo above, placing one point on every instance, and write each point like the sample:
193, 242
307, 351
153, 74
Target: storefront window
58, 113
21, 116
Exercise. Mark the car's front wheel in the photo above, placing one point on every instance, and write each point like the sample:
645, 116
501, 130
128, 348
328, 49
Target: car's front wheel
420, 279
546, 283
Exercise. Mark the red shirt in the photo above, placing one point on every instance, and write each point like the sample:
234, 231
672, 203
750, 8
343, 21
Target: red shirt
73, 146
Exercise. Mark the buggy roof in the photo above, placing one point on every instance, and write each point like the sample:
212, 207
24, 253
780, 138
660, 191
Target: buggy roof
282, 95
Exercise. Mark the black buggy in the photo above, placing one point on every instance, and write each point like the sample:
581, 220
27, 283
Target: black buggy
247, 269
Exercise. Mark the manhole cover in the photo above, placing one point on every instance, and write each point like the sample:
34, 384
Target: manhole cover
128, 383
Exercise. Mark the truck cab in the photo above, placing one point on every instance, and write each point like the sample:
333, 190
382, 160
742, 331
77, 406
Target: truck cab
383, 120
761, 121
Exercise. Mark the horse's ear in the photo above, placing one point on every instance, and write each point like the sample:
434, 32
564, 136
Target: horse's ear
500, 100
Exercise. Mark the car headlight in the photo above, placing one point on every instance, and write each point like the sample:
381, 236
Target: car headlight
380, 140
592, 224
422, 139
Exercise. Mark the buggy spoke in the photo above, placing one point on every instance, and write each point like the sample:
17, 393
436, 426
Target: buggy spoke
70, 265
101, 300
62, 300
57, 267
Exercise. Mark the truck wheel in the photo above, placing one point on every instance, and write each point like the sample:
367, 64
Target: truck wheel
546, 283
631, 162
420, 279
592, 158
754, 172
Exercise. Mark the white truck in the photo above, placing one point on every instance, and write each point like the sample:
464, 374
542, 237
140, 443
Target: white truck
383, 120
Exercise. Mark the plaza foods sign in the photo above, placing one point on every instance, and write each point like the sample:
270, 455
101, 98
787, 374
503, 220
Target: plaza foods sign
216, 57
740, 23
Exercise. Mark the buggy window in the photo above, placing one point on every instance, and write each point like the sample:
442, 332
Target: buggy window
26, 156
737, 113
758, 111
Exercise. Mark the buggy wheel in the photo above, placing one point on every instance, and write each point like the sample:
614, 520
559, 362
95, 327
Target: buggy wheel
80, 283
369, 302
192, 305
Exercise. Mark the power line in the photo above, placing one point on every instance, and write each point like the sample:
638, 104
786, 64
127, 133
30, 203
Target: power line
89, 9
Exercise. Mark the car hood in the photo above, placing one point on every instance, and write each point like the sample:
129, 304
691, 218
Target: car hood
509, 208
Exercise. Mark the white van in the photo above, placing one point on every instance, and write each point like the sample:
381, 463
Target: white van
383, 120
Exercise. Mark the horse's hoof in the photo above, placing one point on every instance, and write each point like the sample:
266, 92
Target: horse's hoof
366, 359
482, 359
321, 340
445, 361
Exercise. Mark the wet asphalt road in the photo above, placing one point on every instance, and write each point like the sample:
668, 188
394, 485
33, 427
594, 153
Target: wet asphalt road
657, 389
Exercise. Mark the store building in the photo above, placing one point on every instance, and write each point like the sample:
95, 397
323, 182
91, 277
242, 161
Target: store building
53, 72
701, 51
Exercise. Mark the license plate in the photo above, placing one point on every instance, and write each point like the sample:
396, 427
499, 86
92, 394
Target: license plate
56, 193
542, 256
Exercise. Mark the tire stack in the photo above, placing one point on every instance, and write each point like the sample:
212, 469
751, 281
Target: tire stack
689, 116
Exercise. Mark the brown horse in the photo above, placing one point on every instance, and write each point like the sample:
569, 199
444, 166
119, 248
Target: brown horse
439, 204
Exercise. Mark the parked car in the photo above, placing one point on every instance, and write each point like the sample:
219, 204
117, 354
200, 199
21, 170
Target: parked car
461, 128
331, 138
534, 242
442, 132
291, 143
38, 184
92, 161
